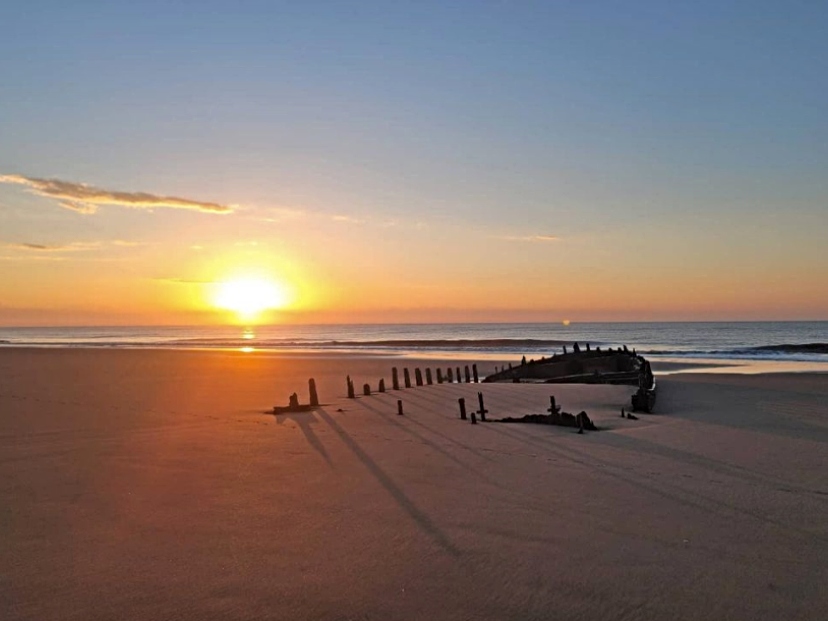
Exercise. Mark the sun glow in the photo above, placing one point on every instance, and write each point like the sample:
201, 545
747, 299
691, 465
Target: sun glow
248, 297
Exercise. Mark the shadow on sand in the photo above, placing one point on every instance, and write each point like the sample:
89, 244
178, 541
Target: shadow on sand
305, 420
422, 520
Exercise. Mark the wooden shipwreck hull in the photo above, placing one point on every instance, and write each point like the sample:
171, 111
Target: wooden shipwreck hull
590, 366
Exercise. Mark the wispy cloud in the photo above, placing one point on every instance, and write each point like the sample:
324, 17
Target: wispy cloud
530, 238
27, 258
33, 247
183, 281
70, 247
279, 214
346, 219
86, 199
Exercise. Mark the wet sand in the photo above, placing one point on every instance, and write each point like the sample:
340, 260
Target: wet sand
152, 485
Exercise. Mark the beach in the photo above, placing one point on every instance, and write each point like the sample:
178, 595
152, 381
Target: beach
148, 484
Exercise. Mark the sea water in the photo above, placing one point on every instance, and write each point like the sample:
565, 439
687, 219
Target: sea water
777, 341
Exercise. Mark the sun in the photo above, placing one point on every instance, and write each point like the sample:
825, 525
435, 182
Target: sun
248, 297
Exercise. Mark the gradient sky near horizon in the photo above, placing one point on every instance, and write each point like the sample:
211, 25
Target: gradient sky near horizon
428, 161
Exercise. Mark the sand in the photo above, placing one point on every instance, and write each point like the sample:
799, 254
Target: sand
151, 485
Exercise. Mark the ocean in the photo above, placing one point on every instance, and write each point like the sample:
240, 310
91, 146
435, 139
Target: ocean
803, 341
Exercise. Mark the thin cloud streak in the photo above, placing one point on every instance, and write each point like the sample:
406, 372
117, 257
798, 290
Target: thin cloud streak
278, 214
183, 281
38, 257
86, 199
346, 219
530, 238
70, 247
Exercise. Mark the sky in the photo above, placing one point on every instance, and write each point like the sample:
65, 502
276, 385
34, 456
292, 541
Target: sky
414, 161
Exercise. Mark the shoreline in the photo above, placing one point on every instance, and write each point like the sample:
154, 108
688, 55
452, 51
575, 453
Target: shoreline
662, 366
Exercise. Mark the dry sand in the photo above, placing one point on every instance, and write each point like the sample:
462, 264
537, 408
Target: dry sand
151, 485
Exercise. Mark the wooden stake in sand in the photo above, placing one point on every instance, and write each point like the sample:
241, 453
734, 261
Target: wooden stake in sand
439, 375
395, 379
468, 375
314, 398
482, 411
366, 390
450, 375
428, 377
553, 408
399, 408
350, 388
418, 376
474, 373
381, 387
407, 377
458, 375
462, 403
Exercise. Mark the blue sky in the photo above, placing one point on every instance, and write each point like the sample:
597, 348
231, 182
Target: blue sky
699, 126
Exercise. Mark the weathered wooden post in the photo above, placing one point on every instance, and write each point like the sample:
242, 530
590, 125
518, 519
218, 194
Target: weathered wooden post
554, 408
458, 375
407, 377
587, 346
314, 398
482, 410
462, 403
428, 377
350, 388
473, 418
439, 375
474, 373
564, 349
381, 387
450, 375
366, 390
418, 376
395, 379
293, 402
468, 375
580, 424
399, 408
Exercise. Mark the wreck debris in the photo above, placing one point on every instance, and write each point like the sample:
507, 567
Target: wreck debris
564, 419
589, 366
293, 402
482, 411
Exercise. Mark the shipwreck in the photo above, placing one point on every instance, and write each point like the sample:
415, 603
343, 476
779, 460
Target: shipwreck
588, 366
